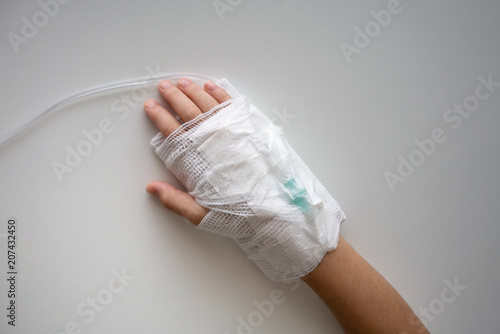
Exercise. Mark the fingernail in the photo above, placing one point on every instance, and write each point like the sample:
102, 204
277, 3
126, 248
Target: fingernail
165, 84
210, 85
150, 103
152, 190
184, 83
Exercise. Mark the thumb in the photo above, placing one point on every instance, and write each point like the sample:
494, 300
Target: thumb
177, 201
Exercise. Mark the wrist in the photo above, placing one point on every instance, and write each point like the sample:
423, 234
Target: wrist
327, 264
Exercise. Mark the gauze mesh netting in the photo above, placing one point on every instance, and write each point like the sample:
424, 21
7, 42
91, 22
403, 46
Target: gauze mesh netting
235, 162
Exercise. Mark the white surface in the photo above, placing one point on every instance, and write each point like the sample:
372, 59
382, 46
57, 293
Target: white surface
351, 122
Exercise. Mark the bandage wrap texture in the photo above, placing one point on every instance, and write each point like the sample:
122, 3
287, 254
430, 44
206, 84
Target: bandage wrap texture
235, 162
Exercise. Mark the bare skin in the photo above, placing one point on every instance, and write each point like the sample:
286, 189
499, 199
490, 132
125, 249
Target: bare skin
359, 297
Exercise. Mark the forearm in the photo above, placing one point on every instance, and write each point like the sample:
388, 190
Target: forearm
359, 297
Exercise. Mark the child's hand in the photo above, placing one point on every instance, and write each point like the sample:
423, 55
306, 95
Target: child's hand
188, 100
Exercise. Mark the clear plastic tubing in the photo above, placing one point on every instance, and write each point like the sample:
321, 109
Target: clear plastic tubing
20, 127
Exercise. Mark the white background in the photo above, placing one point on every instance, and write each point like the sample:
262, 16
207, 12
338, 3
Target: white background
350, 122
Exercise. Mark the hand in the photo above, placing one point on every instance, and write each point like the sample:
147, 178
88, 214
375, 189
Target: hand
188, 100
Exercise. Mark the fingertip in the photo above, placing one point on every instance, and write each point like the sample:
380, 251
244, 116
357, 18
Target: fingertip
218, 93
183, 82
149, 104
165, 84
152, 190
210, 86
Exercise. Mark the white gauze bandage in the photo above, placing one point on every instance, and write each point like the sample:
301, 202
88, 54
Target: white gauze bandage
235, 162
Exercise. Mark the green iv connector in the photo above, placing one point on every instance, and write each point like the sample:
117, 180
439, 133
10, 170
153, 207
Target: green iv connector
298, 194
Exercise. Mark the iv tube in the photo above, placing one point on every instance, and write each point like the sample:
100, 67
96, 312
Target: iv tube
20, 127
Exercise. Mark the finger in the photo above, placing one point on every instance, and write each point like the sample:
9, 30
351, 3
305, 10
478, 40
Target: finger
180, 103
198, 95
177, 201
219, 94
162, 119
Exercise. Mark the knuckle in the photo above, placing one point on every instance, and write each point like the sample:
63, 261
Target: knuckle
192, 111
167, 203
169, 128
